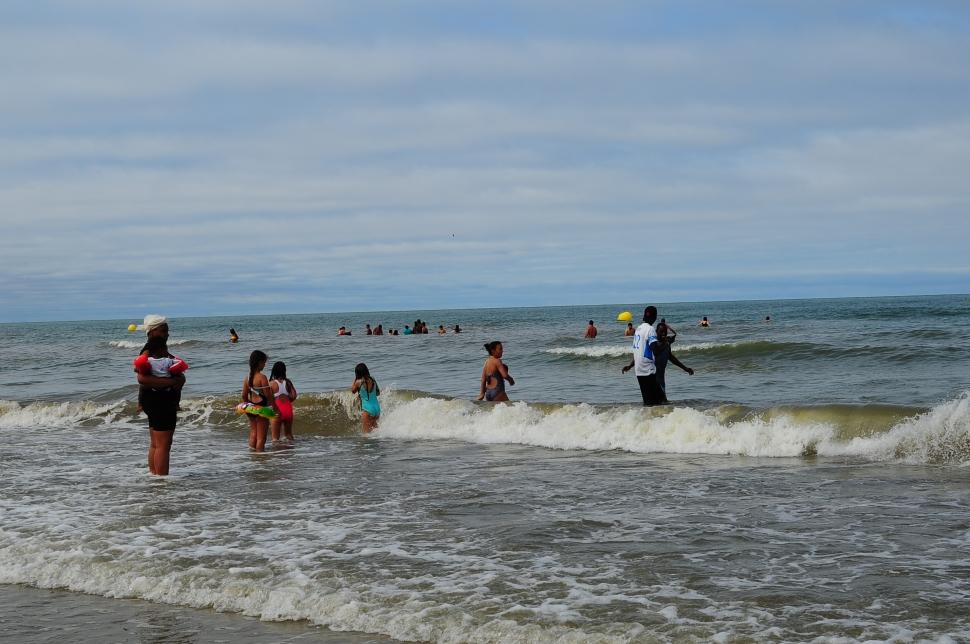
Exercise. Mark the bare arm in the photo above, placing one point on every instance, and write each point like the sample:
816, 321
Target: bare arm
292, 390
354, 388
680, 364
481, 390
503, 371
158, 382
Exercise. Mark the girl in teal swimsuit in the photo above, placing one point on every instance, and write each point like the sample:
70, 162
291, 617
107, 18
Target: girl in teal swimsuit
368, 391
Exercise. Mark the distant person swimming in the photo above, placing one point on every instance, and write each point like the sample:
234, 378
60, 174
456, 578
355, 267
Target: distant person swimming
367, 391
233, 336
494, 375
590, 330
704, 322
629, 329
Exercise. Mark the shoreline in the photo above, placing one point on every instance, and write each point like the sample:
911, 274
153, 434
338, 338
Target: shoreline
30, 614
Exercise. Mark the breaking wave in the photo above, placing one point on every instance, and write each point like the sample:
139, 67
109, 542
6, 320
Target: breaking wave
940, 435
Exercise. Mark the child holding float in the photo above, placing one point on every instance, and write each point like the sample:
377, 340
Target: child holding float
256, 404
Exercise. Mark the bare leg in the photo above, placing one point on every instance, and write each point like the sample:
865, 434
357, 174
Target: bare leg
257, 433
162, 446
368, 422
288, 430
253, 422
275, 428
151, 451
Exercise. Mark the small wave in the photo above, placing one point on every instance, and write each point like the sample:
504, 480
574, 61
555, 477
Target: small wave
725, 349
138, 344
608, 351
940, 435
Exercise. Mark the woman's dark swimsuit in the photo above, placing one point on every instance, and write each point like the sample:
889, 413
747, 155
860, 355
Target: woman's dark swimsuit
161, 407
491, 393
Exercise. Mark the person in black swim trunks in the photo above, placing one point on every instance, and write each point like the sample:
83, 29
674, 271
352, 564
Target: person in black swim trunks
159, 398
494, 375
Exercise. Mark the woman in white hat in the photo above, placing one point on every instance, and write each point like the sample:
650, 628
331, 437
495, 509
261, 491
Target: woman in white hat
159, 399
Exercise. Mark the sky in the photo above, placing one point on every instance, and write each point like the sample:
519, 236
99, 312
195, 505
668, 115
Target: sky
295, 156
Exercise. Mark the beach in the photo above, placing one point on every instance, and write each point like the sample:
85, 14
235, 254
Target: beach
808, 483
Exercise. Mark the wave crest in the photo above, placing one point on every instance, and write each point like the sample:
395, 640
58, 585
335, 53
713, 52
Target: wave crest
940, 435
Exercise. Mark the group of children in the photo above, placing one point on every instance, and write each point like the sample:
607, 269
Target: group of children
268, 403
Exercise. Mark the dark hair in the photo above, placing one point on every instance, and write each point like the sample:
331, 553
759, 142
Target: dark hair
255, 358
361, 372
590, 321
650, 311
156, 343
490, 346
278, 372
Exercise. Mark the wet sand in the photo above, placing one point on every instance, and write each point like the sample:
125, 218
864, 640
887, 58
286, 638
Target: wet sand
38, 616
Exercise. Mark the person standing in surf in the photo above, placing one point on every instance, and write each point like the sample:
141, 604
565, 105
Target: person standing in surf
257, 391
645, 345
284, 393
664, 354
590, 330
494, 375
158, 396
367, 391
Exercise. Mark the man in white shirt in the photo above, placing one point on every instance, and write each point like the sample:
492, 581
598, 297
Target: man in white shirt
644, 345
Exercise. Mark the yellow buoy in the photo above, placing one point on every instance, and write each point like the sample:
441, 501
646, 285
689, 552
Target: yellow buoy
626, 316
132, 327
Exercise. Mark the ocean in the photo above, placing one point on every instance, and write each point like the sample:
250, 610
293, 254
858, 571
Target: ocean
809, 483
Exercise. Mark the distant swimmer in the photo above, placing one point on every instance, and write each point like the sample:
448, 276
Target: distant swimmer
233, 336
407, 330
767, 319
666, 336
367, 330
441, 329
704, 323
494, 375
284, 393
590, 330
645, 345
379, 329
367, 392
457, 329
629, 329
343, 331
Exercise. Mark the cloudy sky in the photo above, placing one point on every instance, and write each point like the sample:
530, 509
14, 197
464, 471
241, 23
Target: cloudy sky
230, 156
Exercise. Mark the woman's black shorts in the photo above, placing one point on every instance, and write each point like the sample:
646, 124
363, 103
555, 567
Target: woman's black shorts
161, 406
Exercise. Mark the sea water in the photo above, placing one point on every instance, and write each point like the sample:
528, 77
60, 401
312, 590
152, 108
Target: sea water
808, 483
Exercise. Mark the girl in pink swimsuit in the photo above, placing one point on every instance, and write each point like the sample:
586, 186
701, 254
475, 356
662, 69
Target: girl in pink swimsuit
284, 393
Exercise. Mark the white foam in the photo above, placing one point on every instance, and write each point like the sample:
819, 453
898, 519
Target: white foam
138, 344
939, 436
618, 351
596, 351
43, 415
